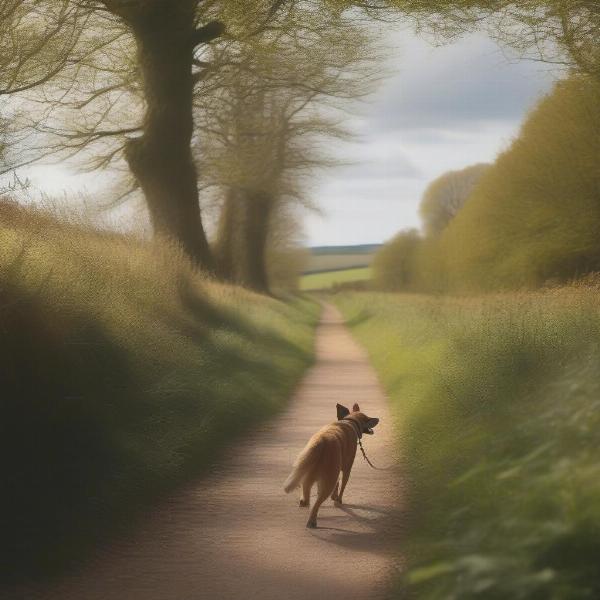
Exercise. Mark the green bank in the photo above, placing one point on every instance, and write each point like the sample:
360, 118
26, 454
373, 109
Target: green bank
497, 403
124, 372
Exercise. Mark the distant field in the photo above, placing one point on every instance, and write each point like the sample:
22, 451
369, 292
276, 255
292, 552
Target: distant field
320, 281
334, 262
334, 258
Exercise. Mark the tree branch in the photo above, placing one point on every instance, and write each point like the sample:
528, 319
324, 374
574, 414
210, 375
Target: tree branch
211, 31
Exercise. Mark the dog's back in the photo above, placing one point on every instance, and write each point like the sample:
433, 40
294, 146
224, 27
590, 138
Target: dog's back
323, 456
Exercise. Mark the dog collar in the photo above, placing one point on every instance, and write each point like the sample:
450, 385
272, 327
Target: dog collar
357, 429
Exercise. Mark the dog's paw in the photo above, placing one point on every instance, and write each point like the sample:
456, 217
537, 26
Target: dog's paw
304, 503
311, 524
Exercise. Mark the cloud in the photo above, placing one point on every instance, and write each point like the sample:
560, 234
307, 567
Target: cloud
457, 87
377, 157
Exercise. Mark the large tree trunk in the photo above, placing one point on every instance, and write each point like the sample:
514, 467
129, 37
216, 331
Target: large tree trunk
227, 247
256, 232
161, 159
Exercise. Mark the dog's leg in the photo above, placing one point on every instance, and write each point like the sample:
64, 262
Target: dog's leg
346, 468
345, 477
321, 497
306, 487
325, 488
336, 491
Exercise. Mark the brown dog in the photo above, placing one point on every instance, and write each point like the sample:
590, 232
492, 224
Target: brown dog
329, 451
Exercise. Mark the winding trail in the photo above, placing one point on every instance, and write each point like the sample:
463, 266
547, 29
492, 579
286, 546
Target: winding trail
236, 535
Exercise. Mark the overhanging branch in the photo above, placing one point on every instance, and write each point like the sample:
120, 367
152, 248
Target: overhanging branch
211, 31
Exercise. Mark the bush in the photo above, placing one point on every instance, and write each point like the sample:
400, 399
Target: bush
394, 264
535, 215
446, 195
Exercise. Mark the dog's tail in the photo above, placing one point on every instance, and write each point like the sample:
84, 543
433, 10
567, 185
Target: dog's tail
304, 464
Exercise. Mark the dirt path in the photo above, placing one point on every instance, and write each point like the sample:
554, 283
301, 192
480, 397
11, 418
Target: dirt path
236, 535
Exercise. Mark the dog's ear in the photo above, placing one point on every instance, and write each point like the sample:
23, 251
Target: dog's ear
356, 407
342, 411
372, 422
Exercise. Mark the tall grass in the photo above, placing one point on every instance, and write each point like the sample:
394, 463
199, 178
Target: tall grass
123, 373
498, 405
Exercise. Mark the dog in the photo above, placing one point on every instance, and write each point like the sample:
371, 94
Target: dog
330, 451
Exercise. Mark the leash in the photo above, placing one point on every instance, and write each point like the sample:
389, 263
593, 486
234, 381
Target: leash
367, 458
355, 426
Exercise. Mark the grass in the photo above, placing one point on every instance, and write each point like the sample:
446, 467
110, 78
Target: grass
329, 279
124, 372
321, 263
497, 401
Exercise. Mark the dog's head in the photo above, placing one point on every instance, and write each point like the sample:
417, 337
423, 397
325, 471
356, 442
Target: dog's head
365, 423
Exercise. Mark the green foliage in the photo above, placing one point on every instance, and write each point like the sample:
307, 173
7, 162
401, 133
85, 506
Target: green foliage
496, 403
532, 218
124, 371
394, 264
535, 215
446, 195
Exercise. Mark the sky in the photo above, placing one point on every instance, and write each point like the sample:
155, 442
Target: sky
441, 109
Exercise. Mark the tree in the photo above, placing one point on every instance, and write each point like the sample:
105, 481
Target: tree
166, 36
260, 157
445, 196
287, 259
86, 37
92, 42
266, 114
36, 41
394, 265
169, 39
565, 32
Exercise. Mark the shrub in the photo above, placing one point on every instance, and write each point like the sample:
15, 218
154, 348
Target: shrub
394, 264
535, 215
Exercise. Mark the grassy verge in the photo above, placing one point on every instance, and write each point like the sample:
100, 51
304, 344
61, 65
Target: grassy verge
498, 406
329, 279
124, 372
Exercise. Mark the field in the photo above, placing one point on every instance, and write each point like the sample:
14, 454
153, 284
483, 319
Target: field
336, 258
498, 414
329, 279
125, 372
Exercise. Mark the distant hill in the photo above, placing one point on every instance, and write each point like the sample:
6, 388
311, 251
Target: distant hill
337, 258
359, 249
